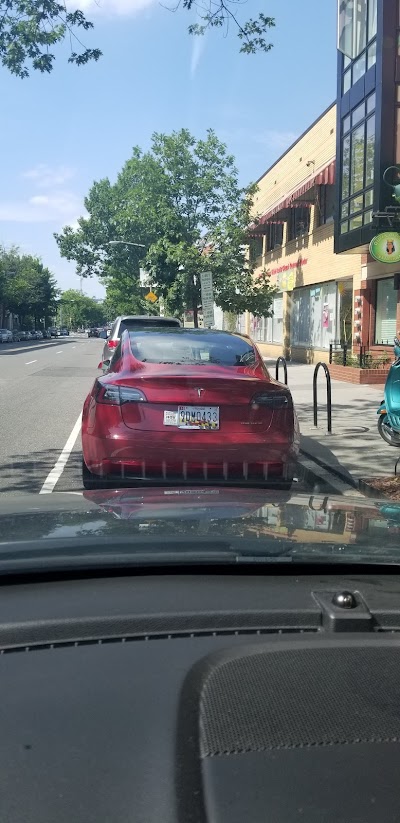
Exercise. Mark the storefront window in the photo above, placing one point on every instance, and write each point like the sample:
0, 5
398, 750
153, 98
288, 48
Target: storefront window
274, 236
358, 160
386, 307
370, 151
357, 31
269, 329
372, 18
346, 167
313, 321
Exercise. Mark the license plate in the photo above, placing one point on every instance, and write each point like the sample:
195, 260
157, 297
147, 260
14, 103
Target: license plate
198, 417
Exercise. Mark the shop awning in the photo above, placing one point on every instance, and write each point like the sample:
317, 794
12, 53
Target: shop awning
324, 177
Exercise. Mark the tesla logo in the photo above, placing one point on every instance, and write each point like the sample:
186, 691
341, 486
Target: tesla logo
199, 392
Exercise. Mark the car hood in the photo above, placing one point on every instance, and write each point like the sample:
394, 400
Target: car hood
341, 526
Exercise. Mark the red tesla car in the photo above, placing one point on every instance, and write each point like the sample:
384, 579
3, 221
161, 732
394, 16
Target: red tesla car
190, 404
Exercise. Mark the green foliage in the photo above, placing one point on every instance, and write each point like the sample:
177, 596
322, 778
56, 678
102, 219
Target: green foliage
183, 202
368, 360
29, 30
78, 310
27, 288
220, 14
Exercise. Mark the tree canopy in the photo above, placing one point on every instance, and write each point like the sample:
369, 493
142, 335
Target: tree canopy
30, 30
78, 310
27, 287
182, 202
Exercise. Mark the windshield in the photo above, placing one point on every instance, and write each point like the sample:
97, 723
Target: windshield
191, 348
199, 267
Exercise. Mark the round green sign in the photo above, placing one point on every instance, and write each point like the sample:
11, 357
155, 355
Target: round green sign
385, 247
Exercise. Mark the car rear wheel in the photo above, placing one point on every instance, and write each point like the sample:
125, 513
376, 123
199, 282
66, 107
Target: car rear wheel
90, 481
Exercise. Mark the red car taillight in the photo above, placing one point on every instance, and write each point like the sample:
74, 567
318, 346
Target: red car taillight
112, 344
110, 395
272, 400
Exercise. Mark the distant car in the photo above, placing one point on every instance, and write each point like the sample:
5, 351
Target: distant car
188, 403
134, 322
46, 334
5, 336
64, 332
93, 333
22, 335
39, 335
53, 331
16, 335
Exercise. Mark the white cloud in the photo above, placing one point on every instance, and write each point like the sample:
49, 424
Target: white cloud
44, 176
111, 7
197, 51
60, 208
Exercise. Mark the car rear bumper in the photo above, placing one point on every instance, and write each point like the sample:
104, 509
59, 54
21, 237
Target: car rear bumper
145, 455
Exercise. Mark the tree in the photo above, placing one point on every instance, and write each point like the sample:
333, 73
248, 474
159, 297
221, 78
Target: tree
28, 288
183, 202
29, 30
78, 310
220, 14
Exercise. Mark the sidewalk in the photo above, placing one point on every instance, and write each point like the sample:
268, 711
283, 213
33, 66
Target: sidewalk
354, 449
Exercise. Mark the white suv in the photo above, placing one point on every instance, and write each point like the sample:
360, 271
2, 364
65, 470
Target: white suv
135, 322
5, 336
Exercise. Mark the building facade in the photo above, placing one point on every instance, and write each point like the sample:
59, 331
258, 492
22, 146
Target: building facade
293, 239
368, 162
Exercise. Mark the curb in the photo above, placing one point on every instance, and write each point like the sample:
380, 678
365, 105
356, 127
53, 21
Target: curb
348, 481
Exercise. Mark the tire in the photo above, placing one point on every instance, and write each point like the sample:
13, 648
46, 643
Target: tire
90, 481
386, 432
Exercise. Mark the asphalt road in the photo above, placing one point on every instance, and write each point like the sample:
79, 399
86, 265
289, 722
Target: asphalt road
42, 388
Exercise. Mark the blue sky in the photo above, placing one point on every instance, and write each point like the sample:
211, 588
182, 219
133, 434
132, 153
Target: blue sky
60, 132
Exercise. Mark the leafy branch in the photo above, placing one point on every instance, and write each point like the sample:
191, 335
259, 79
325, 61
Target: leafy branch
30, 28
219, 13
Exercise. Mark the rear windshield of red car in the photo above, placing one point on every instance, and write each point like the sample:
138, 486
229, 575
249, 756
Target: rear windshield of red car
132, 324
185, 347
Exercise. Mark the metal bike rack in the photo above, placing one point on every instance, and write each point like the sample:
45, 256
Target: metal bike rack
328, 395
281, 361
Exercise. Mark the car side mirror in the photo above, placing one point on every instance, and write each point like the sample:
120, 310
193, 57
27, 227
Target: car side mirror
105, 365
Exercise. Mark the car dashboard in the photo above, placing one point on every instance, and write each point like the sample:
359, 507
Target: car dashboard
191, 698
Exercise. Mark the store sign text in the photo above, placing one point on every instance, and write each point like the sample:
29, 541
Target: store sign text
297, 264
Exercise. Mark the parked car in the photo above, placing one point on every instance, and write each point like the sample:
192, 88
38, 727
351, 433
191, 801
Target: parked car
46, 334
53, 331
39, 335
5, 336
93, 333
64, 332
22, 335
134, 323
16, 335
188, 402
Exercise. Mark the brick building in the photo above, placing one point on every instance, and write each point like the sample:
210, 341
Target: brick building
294, 241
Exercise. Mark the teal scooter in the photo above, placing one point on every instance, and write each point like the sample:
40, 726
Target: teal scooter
389, 410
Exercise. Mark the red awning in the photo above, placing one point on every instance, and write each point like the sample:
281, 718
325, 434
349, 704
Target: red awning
324, 177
